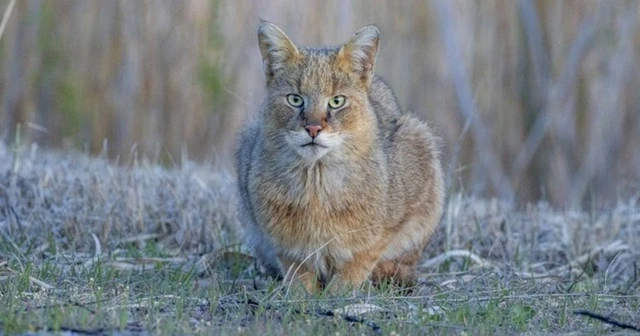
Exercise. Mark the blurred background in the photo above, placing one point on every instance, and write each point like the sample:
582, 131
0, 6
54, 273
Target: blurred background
534, 100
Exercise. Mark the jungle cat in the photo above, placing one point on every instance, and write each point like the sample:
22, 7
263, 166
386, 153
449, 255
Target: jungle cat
336, 183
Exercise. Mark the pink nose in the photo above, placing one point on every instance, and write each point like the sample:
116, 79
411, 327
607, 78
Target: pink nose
313, 130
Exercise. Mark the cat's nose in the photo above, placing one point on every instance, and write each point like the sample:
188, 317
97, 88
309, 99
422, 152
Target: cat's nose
313, 130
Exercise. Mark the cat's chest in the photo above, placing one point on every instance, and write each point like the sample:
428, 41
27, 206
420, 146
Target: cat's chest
325, 237
309, 209
315, 188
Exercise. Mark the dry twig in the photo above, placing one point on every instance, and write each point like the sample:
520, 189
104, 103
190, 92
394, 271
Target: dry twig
607, 320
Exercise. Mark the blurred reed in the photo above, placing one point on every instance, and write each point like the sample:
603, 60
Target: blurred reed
533, 99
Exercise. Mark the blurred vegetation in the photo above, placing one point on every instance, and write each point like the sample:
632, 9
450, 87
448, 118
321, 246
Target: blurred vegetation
60, 91
533, 99
114, 75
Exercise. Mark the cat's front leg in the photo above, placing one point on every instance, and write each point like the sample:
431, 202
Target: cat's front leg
353, 273
296, 272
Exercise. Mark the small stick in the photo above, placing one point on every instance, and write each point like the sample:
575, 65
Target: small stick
606, 320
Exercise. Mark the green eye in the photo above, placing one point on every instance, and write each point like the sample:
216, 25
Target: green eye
336, 102
295, 100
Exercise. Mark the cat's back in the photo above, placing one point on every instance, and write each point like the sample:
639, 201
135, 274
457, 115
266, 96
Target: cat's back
384, 102
248, 138
412, 153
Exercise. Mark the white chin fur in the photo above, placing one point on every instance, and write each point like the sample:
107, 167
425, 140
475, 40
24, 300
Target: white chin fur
325, 142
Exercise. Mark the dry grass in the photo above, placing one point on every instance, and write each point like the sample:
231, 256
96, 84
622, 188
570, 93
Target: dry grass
93, 247
64, 199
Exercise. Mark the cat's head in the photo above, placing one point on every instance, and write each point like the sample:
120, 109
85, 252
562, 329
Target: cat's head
316, 99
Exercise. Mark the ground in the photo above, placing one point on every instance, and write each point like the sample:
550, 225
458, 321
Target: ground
90, 247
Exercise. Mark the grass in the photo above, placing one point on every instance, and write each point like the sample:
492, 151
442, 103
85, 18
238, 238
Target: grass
93, 247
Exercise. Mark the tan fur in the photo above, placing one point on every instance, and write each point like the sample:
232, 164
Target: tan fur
365, 203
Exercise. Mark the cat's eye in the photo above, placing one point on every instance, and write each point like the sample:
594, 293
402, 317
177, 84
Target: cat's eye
295, 100
336, 102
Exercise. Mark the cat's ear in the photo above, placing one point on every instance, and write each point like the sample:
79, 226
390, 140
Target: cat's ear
276, 48
358, 55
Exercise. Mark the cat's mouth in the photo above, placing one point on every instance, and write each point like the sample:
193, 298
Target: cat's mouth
313, 144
